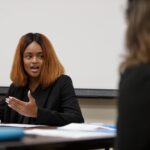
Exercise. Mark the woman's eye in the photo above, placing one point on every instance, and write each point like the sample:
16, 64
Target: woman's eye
28, 56
40, 56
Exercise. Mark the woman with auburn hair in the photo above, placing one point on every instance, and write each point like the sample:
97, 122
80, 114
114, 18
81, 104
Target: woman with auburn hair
134, 89
40, 93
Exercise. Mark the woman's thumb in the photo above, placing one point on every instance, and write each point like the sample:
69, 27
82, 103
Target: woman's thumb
30, 96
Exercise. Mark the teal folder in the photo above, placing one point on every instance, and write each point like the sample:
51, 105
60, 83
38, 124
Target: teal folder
11, 133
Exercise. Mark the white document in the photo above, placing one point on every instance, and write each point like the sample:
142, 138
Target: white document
67, 134
75, 130
88, 127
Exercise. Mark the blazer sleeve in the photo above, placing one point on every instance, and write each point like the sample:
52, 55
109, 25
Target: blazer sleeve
3, 106
69, 111
134, 102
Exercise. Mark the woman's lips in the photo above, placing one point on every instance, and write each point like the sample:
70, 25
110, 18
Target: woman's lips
35, 69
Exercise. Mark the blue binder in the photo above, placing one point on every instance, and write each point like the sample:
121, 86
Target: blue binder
11, 133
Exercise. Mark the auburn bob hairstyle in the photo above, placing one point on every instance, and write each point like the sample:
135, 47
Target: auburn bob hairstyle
52, 68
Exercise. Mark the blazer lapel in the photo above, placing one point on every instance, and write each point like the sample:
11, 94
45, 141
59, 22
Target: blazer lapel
41, 95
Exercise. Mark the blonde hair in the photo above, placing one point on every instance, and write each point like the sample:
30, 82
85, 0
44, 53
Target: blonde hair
137, 34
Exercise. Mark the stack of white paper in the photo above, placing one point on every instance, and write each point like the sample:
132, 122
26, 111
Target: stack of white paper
75, 130
87, 127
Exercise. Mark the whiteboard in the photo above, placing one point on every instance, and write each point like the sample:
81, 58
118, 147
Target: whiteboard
87, 35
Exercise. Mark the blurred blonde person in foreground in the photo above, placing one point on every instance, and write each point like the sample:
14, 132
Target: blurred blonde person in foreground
134, 88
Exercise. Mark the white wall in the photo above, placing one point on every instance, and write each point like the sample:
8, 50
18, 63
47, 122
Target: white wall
87, 35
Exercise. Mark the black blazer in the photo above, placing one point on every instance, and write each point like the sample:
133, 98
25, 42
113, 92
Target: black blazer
57, 104
134, 109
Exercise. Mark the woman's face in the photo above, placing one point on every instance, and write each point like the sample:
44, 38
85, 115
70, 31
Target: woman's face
33, 60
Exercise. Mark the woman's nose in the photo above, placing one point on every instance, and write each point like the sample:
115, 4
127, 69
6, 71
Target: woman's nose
34, 59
